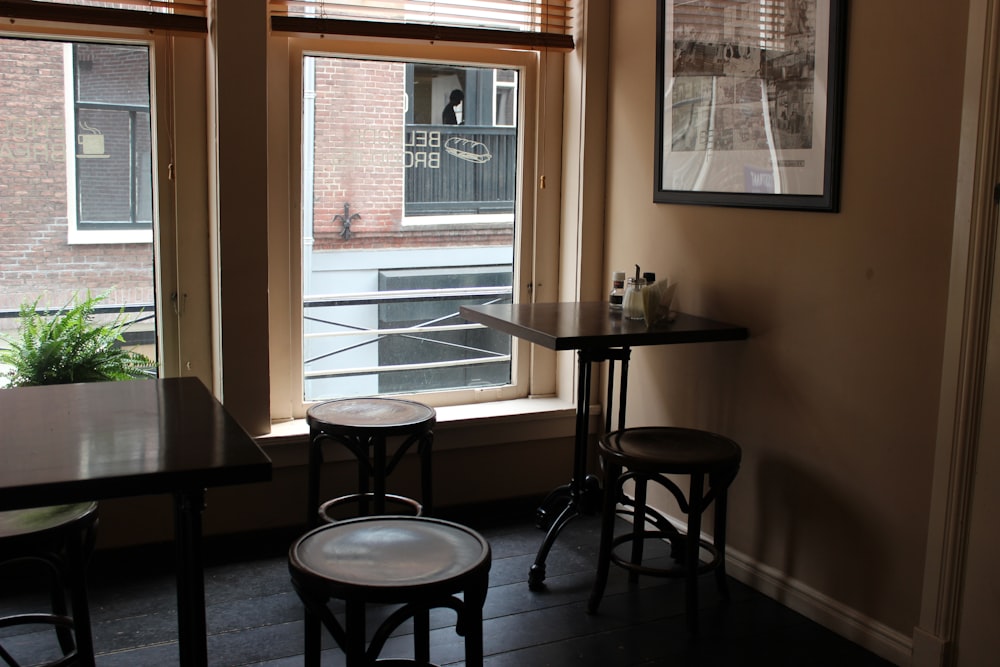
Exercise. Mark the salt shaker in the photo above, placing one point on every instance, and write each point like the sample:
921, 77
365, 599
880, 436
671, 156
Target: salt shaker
633, 307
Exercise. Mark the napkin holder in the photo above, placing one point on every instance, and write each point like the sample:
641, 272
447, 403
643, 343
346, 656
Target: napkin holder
656, 301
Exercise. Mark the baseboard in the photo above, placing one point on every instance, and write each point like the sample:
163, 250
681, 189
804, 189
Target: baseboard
831, 614
929, 650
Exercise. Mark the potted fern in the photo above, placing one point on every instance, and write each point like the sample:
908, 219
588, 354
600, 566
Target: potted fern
70, 346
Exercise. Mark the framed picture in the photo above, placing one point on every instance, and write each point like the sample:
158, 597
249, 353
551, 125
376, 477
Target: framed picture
749, 96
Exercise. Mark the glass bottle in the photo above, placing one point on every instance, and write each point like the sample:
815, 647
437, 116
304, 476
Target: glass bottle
617, 295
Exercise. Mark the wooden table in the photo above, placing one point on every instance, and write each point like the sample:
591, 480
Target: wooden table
596, 335
75, 442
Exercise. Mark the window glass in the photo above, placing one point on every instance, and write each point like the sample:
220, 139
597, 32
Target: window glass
113, 143
411, 187
75, 137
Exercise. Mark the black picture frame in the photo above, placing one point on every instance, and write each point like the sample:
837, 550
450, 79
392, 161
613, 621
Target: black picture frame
755, 93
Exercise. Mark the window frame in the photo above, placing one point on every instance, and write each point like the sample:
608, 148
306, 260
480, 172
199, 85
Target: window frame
182, 281
532, 373
80, 234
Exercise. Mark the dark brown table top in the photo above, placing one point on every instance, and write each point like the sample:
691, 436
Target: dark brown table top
75, 442
590, 325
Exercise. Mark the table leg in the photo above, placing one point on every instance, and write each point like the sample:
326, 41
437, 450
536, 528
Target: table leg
622, 355
192, 640
582, 494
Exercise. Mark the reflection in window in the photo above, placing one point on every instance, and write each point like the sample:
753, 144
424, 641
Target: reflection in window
113, 143
410, 219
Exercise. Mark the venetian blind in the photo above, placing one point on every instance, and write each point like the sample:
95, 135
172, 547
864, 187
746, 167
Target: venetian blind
526, 24
172, 15
759, 24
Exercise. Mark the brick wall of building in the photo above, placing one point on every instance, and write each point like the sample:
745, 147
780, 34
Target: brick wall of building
36, 259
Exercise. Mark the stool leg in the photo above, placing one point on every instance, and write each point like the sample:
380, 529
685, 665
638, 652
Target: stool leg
379, 473
611, 489
354, 628
721, 492
422, 635
77, 583
313, 638
426, 476
692, 548
638, 525
312, 492
58, 585
365, 469
472, 624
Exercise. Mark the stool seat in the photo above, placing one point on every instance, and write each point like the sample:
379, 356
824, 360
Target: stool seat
389, 559
650, 454
364, 426
418, 562
36, 521
671, 450
388, 416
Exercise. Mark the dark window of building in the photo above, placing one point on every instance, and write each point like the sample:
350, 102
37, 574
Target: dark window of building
113, 143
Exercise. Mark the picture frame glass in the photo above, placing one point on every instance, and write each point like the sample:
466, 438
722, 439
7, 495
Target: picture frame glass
748, 103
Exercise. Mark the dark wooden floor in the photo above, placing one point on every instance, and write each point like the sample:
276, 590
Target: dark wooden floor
254, 617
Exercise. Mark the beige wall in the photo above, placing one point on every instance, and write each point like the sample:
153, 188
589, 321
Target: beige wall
834, 398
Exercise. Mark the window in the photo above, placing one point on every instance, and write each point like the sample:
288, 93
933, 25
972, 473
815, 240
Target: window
75, 148
398, 218
110, 181
411, 192
128, 240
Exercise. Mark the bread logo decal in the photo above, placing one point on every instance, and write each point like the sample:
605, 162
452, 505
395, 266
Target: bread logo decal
468, 149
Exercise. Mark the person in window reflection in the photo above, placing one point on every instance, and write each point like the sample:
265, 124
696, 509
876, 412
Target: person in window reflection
448, 116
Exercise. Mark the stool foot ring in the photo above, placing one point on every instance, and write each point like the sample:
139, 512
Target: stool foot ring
662, 523
59, 622
680, 571
365, 502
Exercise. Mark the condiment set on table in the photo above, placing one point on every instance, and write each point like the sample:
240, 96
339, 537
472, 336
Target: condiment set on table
641, 297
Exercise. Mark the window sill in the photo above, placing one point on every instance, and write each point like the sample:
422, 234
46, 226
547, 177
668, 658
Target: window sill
458, 427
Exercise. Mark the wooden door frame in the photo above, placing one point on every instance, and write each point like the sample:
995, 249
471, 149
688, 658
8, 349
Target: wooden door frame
974, 245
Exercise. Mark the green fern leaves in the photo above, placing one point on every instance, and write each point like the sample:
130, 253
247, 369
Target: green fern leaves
70, 347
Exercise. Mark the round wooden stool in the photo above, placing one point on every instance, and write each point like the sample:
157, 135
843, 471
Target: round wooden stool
417, 562
649, 455
62, 538
364, 426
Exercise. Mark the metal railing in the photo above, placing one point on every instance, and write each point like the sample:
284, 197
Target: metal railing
443, 334
144, 312
446, 341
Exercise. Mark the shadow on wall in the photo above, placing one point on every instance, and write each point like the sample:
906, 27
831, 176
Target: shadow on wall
814, 534
694, 385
